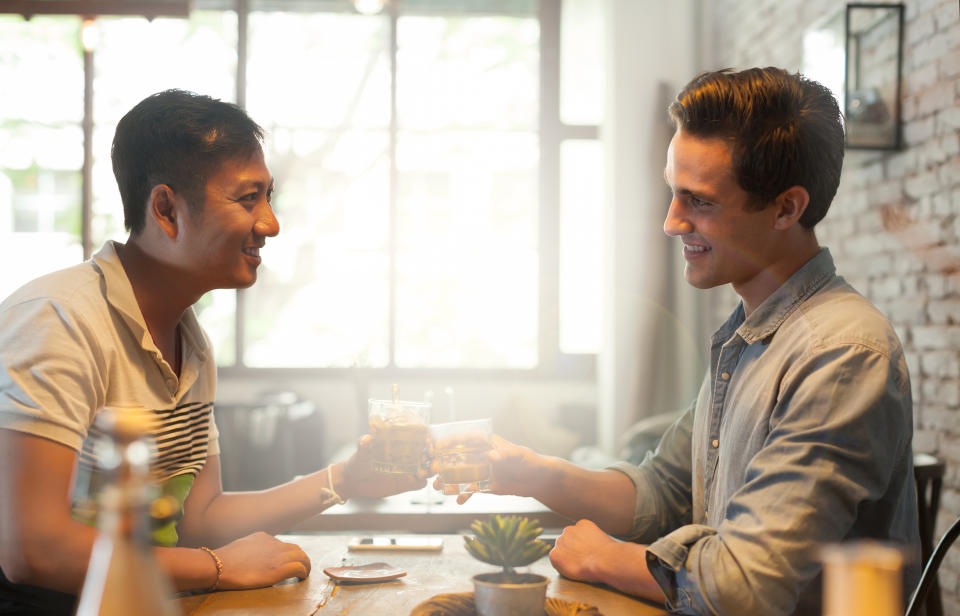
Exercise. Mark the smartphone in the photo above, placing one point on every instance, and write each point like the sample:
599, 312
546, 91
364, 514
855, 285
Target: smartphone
417, 543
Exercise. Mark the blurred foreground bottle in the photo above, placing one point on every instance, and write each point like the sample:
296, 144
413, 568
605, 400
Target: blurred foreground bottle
123, 578
862, 578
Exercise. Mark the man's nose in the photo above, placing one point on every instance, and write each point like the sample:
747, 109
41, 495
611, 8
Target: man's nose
267, 223
676, 222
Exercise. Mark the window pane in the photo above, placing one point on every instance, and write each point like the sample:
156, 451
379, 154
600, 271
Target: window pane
581, 236
134, 58
467, 262
480, 72
217, 311
467, 207
41, 108
582, 73
323, 293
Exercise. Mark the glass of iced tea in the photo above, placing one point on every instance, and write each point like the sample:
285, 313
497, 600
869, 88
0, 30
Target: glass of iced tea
461, 450
400, 434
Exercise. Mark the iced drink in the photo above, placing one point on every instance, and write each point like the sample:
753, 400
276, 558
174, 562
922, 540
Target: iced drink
399, 431
462, 451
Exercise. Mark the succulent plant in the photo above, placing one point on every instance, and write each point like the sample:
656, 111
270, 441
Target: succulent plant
507, 542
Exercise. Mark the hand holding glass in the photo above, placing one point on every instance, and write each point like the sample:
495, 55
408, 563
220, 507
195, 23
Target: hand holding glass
462, 454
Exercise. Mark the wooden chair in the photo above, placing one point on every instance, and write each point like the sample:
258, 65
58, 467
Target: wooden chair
928, 473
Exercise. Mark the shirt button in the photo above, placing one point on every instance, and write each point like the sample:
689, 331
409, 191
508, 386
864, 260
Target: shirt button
725, 376
715, 443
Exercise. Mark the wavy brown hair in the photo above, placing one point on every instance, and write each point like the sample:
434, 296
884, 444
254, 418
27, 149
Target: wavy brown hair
785, 130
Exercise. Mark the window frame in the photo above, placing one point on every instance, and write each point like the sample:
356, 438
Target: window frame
551, 362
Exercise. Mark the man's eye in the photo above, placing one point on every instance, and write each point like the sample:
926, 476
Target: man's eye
698, 202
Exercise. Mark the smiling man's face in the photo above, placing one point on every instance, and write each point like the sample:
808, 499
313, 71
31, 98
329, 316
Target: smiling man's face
725, 240
224, 238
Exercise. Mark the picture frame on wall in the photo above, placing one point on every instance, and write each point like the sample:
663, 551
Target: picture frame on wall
872, 75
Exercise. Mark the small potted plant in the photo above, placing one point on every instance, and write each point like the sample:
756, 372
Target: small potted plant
508, 542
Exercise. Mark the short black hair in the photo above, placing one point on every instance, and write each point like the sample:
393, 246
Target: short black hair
180, 139
786, 130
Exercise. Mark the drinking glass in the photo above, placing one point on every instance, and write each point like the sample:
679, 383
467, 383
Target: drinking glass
462, 450
400, 434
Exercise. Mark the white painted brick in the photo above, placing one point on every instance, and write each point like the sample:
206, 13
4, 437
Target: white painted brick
871, 223
940, 364
948, 119
935, 338
861, 246
886, 288
901, 164
937, 417
901, 310
913, 363
925, 6
944, 312
951, 282
949, 175
906, 262
949, 64
946, 16
943, 207
928, 51
890, 192
941, 258
940, 96
922, 184
919, 30
862, 269
918, 131
909, 111
934, 152
920, 78
937, 286
925, 441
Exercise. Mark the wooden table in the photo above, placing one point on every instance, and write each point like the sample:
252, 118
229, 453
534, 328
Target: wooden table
428, 574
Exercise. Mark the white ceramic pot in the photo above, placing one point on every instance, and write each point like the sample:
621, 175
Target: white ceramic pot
522, 595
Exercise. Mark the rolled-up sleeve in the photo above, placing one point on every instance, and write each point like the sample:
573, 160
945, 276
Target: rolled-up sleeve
663, 483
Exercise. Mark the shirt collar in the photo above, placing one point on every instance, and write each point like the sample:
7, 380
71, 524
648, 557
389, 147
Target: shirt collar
774, 310
119, 294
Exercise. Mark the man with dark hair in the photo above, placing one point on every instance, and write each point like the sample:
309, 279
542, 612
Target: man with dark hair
119, 331
801, 433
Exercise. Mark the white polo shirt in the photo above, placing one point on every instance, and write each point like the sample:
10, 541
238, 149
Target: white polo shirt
75, 341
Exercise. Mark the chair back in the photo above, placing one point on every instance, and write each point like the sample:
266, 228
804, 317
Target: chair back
929, 574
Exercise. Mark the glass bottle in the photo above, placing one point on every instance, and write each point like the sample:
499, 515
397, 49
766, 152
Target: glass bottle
123, 578
862, 578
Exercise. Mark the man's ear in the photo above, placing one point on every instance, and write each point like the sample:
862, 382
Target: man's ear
791, 204
162, 208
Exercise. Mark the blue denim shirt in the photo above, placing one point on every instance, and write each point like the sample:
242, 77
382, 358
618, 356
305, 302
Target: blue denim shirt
800, 436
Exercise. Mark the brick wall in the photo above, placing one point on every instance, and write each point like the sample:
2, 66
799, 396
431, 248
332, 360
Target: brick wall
894, 227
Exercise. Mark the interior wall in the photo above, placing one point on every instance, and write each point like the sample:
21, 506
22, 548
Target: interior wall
893, 228
649, 362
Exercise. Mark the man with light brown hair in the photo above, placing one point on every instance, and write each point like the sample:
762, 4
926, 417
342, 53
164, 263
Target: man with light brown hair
801, 433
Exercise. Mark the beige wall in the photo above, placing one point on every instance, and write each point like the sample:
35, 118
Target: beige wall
894, 227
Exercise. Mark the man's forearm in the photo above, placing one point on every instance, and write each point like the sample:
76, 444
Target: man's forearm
628, 572
231, 515
584, 552
606, 497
